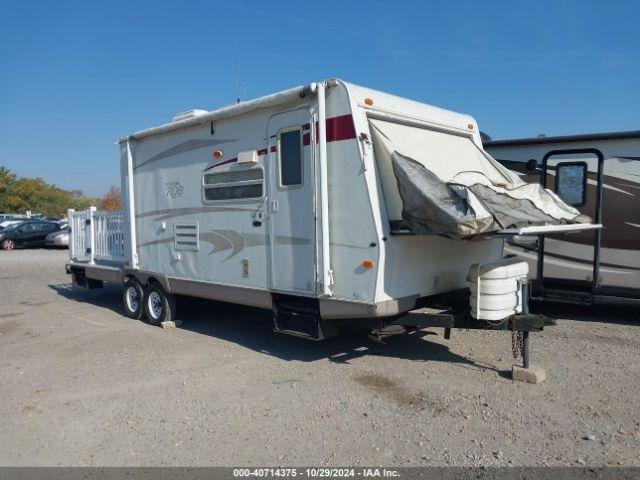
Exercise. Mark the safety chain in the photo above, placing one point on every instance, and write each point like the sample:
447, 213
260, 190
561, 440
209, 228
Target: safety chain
517, 339
517, 344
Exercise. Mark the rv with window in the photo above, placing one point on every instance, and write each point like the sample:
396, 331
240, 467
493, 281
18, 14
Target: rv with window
599, 174
323, 202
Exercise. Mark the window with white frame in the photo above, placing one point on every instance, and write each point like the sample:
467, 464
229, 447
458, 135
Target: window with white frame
233, 185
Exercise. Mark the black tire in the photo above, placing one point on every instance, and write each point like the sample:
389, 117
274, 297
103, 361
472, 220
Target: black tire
133, 299
159, 306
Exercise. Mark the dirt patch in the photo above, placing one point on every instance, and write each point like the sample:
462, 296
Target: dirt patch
8, 327
34, 304
399, 394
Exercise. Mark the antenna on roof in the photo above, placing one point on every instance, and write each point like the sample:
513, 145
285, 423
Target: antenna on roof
237, 72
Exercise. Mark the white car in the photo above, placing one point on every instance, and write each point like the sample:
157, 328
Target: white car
7, 223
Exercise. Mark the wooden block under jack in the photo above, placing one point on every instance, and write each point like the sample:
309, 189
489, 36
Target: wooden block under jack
528, 375
171, 324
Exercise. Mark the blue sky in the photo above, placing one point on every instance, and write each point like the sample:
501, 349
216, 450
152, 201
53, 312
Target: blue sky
76, 75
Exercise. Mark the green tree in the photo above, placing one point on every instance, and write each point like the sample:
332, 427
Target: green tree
17, 195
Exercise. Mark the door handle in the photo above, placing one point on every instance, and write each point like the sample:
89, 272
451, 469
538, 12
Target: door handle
275, 206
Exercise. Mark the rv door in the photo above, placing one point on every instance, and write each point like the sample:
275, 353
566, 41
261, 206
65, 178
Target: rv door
291, 202
575, 175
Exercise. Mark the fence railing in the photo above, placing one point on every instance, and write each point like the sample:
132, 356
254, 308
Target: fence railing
96, 235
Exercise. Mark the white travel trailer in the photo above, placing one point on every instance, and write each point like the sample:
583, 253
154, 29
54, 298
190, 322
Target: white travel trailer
322, 202
598, 173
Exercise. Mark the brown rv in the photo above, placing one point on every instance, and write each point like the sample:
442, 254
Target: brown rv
599, 174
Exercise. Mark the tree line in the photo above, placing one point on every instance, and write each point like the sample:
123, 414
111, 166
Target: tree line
19, 194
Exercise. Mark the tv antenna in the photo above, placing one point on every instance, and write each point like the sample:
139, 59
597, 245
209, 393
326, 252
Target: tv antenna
237, 72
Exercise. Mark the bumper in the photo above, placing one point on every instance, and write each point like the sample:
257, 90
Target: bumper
57, 242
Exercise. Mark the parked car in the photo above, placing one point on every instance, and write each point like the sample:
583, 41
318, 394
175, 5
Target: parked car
8, 222
26, 234
59, 238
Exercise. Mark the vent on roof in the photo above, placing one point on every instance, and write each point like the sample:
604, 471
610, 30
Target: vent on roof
188, 114
186, 237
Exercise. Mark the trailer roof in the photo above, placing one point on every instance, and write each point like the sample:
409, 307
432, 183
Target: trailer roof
587, 137
225, 112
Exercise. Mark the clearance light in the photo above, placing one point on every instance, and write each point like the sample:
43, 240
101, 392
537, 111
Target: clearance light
470, 126
368, 264
218, 154
368, 101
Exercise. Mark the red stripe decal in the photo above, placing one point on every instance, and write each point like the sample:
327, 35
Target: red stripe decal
339, 128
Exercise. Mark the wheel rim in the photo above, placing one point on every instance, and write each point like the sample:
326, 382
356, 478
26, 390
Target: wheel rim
8, 244
133, 299
155, 305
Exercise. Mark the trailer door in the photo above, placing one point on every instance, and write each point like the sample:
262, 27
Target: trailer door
573, 260
291, 202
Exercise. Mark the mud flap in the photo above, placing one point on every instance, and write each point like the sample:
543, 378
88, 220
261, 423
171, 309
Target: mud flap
80, 281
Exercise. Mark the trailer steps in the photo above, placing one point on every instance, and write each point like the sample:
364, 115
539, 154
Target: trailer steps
300, 316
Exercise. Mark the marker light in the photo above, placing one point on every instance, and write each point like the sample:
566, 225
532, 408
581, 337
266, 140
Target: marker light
470, 126
218, 154
368, 264
368, 101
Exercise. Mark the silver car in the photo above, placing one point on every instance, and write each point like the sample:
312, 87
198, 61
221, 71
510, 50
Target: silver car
58, 239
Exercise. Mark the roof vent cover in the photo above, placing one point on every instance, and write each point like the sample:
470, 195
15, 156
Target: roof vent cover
188, 114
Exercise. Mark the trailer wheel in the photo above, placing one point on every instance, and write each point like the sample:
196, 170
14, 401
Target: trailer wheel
159, 305
133, 299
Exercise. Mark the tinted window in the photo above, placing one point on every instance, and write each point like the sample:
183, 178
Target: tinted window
27, 227
234, 184
234, 193
571, 182
290, 158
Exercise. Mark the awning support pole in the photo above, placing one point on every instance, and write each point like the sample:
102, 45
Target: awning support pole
131, 210
324, 191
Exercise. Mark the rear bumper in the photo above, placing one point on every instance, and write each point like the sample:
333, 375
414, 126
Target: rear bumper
56, 242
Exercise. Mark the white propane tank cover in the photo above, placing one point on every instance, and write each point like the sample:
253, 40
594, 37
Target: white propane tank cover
495, 288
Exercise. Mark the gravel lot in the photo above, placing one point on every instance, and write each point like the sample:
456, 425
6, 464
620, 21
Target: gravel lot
80, 384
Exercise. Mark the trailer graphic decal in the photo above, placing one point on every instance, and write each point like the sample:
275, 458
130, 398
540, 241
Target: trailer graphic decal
222, 240
338, 128
174, 189
178, 212
184, 147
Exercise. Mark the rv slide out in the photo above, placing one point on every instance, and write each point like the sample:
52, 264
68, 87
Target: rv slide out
323, 202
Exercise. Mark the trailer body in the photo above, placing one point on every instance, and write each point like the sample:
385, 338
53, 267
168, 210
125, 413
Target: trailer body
283, 203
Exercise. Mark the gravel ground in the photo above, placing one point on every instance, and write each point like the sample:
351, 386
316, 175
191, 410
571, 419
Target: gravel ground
80, 384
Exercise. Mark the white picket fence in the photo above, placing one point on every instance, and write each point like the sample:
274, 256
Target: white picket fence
96, 236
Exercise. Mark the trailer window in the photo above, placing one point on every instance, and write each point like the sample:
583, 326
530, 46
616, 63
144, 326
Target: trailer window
233, 185
571, 182
290, 157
